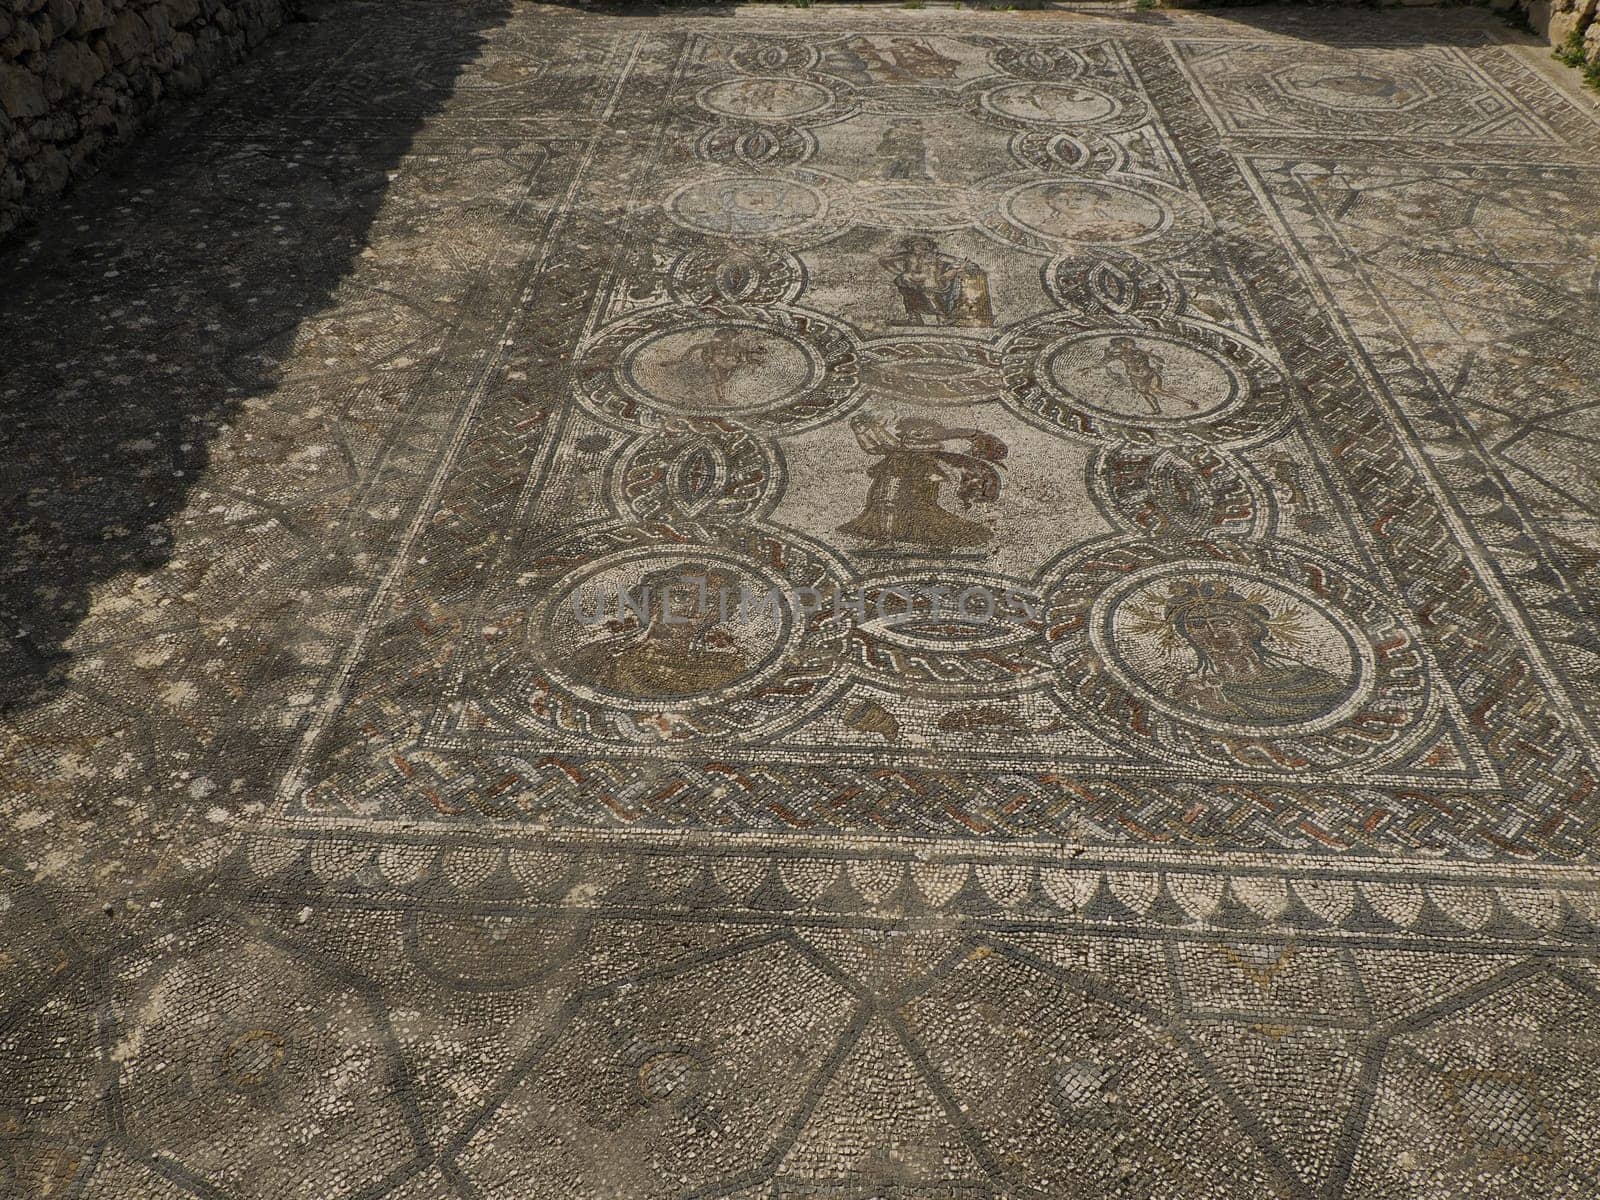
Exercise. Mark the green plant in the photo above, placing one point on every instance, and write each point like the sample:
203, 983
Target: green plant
1571, 53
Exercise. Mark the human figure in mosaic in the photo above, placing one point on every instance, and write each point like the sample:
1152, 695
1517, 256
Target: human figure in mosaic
916, 57
907, 60
904, 152
746, 206
1143, 369
1240, 674
716, 359
913, 467
681, 649
1092, 216
938, 288
762, 95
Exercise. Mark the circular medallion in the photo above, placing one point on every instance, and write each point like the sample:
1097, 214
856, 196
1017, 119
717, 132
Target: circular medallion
768, 367
626, 643
1232, 651
1157, 382
1087, 210
253, 1059
1046, 104
1037, 102
720, 367
665, 631
747, 206
1349, 87
765, 98
1179, 492
1140, 376
1265, 657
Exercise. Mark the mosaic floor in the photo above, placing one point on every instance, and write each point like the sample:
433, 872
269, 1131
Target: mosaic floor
816, 604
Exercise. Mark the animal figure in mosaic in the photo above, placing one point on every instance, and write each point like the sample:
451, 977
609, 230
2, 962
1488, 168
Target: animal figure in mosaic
715, 360
1144, 371
904, 60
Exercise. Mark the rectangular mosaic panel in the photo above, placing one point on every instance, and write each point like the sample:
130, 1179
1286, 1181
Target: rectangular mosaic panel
981, 357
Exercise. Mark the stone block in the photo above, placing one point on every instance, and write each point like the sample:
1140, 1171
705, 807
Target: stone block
63, 15
128, 37
159, 23
48, 171
57, 127
77, 76
93, 14
74, 66
21, 93
1563, 25
1539, 13
24, 39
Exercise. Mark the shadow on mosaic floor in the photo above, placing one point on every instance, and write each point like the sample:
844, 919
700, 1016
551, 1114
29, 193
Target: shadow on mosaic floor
164, 297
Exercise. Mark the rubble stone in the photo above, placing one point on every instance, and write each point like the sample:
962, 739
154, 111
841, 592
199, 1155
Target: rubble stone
77, 77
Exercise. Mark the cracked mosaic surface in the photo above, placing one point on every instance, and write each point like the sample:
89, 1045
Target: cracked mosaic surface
1229, 830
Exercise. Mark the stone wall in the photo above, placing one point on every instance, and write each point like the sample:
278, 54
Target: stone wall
80, 76
1571, 24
